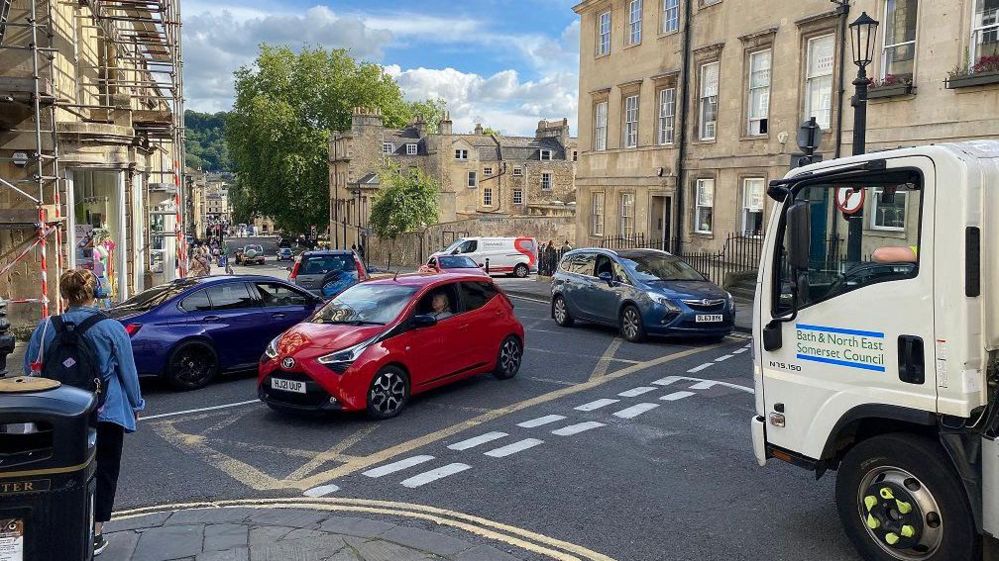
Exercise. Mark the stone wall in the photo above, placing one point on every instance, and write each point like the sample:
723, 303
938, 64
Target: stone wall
413, 248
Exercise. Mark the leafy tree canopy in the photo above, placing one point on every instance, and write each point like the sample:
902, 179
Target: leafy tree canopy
205, 143
491, 131
432, 111
406, 201
287, 107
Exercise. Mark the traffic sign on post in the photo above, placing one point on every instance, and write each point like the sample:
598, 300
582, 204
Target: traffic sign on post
809, 136
850, 200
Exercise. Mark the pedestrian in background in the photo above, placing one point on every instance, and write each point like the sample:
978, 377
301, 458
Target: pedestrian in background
121, 394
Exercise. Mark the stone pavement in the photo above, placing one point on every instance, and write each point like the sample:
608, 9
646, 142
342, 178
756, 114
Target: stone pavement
286, 534
539, 288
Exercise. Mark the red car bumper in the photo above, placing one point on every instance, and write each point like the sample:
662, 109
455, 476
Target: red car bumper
326, 389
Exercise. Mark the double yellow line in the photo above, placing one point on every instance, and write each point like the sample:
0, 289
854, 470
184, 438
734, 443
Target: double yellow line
511, 535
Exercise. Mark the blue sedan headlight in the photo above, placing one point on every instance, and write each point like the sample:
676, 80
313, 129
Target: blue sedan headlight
664, 302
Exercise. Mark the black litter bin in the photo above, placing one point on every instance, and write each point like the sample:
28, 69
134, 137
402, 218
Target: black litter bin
47, 466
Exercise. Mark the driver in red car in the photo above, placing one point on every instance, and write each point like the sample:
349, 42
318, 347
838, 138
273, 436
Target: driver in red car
441, 306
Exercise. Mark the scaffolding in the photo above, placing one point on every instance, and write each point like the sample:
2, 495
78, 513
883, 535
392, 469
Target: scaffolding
139, 71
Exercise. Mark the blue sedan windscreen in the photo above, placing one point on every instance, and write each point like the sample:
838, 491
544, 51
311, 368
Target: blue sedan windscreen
652, 268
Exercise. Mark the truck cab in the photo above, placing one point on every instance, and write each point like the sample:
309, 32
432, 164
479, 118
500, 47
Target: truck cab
876, 329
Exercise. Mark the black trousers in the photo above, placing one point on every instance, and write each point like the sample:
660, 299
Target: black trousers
110, 438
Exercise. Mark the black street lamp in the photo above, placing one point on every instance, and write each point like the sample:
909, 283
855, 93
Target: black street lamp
863, 33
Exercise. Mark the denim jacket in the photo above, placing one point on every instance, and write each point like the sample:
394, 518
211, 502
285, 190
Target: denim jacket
114, 354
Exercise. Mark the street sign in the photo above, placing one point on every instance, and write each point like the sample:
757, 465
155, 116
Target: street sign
850, 201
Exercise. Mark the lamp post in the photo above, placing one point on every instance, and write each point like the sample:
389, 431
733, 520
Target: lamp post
863, 32
357, 205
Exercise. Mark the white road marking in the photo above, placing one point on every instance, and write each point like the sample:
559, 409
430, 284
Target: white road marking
706, 385
635, 392
481, 439
739, 351
701, 367
434, 475
321, 491
519, 446
577, 428
667, 380
676, 395
541, 421
635, 410
397, 466
202, 410
594, 405
723, 358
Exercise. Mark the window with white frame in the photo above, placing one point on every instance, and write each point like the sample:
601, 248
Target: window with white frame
487, 170
473, 180
597, 214
487, 196
985, 30
604, 33
600, 126
630, 121
704, 205
759, 92
627, 214
518, 197
709, 101
387, 148
752, 206
410, 149
819, 80
461, 154
898, 54
518, 171
888, 214
545, 155
667, 115
671, 16
546, 181
635, 22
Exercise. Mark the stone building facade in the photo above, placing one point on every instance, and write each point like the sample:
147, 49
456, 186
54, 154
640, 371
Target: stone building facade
480, 174
103, 135
689, 107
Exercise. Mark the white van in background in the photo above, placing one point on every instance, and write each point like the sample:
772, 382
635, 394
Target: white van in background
515, 256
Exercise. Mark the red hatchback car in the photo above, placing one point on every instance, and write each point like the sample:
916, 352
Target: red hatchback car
382, 341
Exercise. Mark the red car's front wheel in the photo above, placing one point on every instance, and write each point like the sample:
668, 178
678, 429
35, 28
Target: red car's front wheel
388, 393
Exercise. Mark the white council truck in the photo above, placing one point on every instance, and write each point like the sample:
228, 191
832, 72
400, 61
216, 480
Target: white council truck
876, 338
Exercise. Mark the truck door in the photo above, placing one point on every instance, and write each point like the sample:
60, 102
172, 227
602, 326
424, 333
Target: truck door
856, 325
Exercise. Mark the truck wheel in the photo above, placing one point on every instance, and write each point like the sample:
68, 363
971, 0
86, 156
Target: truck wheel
900, 500
521, 271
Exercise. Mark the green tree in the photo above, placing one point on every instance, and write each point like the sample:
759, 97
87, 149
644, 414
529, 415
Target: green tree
204, 143
406, 202
287, 107
432, 111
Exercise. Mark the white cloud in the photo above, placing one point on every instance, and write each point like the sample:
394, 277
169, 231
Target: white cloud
220, 37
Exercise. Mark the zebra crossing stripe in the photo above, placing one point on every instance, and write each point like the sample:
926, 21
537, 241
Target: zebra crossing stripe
577, 428
481, 439
547, 419
594, 405
635, 392
676, 395
397, 466
511, 449
667, 380
635, 410
705, 385
434, 475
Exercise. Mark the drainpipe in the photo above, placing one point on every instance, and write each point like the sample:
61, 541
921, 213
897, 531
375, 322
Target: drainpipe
843, 11
680, 207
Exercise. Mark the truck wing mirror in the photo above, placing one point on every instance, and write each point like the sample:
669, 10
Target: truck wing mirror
799, 235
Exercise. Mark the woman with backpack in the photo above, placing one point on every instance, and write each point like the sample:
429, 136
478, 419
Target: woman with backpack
102, 363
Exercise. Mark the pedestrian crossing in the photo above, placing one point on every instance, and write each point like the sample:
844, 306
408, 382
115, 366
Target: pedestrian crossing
499, 443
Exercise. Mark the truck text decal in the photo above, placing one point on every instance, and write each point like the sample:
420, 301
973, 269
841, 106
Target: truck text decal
843, 347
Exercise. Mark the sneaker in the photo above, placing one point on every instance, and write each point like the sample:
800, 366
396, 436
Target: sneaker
100, 544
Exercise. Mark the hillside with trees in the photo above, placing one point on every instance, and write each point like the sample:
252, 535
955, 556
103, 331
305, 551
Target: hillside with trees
205, 145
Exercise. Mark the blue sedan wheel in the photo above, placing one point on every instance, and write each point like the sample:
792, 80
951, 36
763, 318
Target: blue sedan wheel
192, 366
632, 327
561, 313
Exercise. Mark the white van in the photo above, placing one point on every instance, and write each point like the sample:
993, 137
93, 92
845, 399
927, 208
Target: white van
516, 256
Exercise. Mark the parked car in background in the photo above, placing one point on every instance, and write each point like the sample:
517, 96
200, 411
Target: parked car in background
285, 254
191, 330
327, 273
452, 264
252, 254
641, 292
516, 256
380, 342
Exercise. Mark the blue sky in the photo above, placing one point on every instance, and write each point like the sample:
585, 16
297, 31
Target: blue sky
505, 63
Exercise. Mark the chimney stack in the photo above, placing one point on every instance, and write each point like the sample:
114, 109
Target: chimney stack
446, 124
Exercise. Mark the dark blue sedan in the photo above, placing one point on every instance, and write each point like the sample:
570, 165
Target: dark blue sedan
641, 292
191, 330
